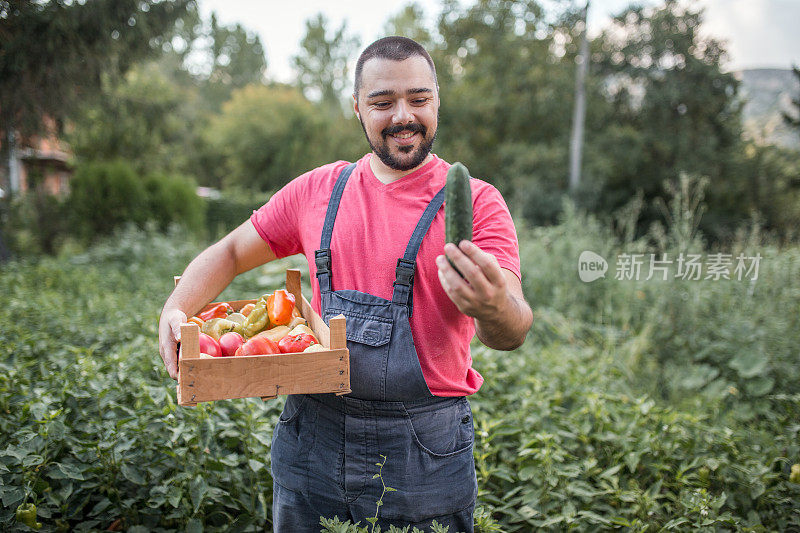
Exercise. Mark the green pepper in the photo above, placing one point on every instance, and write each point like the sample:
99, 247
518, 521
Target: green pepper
26, 514
257, 320
216, 327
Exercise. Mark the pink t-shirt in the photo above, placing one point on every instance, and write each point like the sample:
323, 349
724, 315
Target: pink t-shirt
373, 226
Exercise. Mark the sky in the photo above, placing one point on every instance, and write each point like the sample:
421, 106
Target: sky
758, 33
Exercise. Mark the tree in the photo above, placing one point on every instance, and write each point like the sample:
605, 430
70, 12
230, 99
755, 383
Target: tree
236, 58
506, 97
55, 52
268, 135
147, 119
321, 65
793, 118
667, 85
409, 22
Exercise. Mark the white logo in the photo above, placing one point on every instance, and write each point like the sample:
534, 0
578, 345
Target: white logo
591, 266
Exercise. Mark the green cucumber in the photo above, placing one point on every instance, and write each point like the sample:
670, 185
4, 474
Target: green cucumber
457, 207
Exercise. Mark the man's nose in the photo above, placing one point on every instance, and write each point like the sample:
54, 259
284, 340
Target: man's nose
402, 113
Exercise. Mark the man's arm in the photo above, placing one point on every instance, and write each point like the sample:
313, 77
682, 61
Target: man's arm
204, 279
490, 294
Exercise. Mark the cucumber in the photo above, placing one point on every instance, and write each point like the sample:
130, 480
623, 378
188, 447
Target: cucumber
457, 205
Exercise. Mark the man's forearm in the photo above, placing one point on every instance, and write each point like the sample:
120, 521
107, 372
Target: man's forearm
203, 280
507, 328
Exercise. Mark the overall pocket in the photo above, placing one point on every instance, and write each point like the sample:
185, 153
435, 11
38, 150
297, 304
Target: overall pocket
368, 339
435, 472
292, 408
443, 432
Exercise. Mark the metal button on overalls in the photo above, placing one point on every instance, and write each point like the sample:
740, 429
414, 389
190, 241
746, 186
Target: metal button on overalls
325, 448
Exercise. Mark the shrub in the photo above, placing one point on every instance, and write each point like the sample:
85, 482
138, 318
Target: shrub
174, 200
104, 196
109, 194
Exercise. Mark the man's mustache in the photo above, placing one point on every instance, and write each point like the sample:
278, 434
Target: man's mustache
413, 128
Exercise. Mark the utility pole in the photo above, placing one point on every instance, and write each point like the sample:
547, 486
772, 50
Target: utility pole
579, 112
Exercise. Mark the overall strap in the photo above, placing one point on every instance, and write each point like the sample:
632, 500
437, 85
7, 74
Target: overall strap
406, 265
322, 257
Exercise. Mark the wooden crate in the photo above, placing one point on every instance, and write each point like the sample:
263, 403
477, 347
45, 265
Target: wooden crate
266, 376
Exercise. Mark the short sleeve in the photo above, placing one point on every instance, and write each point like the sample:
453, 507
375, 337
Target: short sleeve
493, 228
277, 220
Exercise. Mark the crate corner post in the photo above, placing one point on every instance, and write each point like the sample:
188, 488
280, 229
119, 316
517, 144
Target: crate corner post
190, 349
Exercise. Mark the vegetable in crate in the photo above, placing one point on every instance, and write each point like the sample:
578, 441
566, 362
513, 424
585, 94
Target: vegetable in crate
209, 345
216, 327
229, 343
257, 320
258, 345
457, 207
220, 310
296, 343
280, 306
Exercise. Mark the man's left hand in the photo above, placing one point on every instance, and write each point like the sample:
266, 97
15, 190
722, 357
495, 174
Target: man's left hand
482, 292
486, 292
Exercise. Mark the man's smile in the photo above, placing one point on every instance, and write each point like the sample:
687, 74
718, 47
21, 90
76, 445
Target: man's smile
404, 138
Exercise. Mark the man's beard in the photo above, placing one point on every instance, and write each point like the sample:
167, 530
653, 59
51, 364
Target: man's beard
393, 162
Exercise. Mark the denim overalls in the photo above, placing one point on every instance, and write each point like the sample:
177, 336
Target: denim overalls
326, 448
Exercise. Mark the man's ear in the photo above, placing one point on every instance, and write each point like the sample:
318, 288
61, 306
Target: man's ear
355, 106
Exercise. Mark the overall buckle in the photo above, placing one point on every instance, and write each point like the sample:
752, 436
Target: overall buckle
323, 260
404, 273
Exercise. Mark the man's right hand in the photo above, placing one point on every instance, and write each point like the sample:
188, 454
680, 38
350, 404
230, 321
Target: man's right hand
169, 334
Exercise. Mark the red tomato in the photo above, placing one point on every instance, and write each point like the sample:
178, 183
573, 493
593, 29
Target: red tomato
258, 346
230, 342
210, 346
296, 343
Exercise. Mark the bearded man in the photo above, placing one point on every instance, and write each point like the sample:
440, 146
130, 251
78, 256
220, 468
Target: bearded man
383, 264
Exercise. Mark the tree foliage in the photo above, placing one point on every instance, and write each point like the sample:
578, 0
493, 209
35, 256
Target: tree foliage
269, 135
321, 65
792, 118
56, 52
666, 81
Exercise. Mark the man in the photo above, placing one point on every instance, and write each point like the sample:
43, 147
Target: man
410, 315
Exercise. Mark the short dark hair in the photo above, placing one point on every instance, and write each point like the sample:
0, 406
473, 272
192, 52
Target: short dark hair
395, 48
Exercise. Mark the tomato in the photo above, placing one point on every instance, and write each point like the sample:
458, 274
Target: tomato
229, 343
210, 346
258, 346
296, 343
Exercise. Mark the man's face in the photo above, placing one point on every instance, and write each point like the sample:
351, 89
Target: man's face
398, 105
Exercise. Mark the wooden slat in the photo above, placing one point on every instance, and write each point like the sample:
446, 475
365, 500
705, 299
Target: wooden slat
315, 322
338, 333
190, 341
293, 283
253, 376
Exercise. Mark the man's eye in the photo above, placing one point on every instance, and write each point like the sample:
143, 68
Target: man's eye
420, 101
381, 105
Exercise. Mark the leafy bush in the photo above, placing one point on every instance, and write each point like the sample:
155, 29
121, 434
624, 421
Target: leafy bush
34, 223
174, 200
107, 195
570, 429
